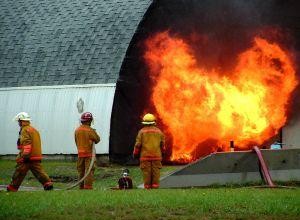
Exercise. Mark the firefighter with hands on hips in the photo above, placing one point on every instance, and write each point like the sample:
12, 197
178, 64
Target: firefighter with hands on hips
149, 147
85, 137
30, 155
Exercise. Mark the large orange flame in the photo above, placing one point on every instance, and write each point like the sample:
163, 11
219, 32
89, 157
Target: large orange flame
204, 110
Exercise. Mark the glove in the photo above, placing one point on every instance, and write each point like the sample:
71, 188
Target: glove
136, 153
135, 156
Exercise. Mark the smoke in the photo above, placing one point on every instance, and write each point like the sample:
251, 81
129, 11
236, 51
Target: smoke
218, 30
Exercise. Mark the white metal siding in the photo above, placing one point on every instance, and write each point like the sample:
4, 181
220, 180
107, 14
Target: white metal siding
54, 113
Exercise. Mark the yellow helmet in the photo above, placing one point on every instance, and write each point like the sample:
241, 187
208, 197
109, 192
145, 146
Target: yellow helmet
148, 119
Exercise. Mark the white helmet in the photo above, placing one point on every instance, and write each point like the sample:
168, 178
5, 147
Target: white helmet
22, 116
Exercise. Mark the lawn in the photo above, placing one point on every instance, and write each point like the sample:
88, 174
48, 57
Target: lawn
230, 202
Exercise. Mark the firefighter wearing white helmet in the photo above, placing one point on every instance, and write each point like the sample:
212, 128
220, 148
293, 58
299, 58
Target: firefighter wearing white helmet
149, 147
30, 155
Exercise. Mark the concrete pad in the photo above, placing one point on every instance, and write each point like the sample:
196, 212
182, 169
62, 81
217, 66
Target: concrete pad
235, 168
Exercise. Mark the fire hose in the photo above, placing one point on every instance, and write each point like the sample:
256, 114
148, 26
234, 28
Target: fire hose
88, 171
265, 171
263, 167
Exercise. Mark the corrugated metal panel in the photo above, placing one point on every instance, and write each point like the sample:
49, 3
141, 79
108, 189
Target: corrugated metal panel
55, 114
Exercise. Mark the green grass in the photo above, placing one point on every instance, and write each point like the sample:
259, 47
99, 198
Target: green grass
65, 173
104, 203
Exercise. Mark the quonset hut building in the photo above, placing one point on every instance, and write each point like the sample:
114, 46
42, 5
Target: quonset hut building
60, 58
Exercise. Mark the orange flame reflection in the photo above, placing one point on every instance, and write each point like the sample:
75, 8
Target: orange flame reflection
203, 110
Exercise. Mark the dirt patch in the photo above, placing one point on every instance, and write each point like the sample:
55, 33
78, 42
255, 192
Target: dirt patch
60, 178
64, 179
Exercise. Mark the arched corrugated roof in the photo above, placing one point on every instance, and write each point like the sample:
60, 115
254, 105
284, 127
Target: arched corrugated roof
63, 42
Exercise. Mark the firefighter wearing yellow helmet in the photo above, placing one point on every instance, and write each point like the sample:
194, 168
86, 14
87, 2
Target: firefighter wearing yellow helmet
149, 147
30, 155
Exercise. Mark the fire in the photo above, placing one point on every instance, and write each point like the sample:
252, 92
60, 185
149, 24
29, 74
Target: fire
205, 109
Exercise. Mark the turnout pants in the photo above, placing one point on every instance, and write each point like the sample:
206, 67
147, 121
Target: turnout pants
83, 165
21, 170
151, 173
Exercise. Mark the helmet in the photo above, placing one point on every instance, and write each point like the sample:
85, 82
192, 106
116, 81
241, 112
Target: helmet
125, 172
87, 116
22, 116
148, 119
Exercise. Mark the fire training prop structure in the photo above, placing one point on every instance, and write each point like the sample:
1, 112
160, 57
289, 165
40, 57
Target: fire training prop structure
222, 86
214, 73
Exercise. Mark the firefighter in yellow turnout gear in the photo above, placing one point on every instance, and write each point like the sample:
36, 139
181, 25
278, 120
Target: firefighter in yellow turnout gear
30, 155
149, 146
85, 136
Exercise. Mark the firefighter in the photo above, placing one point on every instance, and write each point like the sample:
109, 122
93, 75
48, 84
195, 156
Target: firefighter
85, 136
30, 155
150, 146
125, 182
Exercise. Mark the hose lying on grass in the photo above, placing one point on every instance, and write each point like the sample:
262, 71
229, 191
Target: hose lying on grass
87, 173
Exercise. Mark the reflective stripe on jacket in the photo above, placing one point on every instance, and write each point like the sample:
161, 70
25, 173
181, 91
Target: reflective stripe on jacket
30, 144
149, 143
84, 138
